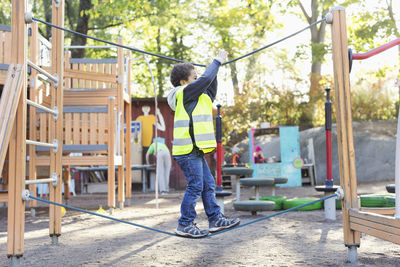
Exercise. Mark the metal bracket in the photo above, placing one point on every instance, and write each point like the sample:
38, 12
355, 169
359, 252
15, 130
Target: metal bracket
55, 143
57, 81
57, 3
54, 176
25, 195
28, 16
55, 116
340, 193
329, 18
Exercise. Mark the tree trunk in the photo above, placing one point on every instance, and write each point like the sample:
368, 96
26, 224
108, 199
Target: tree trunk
235, 80
82, 27
47, 16
317, 38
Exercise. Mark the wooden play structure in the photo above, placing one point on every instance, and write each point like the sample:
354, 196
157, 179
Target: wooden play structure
96, 106
355, 220
76, 106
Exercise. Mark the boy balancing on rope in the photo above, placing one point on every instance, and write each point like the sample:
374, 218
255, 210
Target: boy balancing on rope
191, 99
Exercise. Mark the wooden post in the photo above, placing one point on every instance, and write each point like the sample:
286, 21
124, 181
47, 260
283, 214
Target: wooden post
35, 50
17, 152
120, 112
347, 169
111, 153
56, 127
128, 119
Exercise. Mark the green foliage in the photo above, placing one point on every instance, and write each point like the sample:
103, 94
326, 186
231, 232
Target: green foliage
257, 104
5, 12
373, 99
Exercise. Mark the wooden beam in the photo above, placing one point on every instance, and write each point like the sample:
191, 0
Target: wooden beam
111, 152
17, 152
380, 226
128, 118
93, 76
382, 211
346, 152
33, 93
8, 106
3, 197
77, 161
120, 83
56, 129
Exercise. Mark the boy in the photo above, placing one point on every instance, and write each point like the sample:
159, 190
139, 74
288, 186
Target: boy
191, 99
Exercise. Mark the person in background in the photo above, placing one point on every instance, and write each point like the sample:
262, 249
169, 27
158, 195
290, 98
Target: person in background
236, 156
258, 155
164, 164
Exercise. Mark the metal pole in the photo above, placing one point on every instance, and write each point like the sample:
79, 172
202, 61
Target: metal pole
54, 78
328, 129
219, 148
45, 109
397, 170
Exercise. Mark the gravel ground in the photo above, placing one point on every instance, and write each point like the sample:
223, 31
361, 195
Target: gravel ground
302, 238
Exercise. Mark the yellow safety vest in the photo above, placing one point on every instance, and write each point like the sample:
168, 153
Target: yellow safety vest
203, 127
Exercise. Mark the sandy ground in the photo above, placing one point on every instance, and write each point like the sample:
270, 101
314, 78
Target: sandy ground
301, 238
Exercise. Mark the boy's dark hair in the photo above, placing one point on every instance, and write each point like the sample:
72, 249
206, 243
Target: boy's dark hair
180, 71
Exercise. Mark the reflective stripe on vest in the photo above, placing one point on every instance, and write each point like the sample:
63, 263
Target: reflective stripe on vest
203, 127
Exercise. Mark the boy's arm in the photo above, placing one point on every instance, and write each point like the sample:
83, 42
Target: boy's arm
193, 90
212, 89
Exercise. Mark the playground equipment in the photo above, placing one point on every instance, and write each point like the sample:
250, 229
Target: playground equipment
391, 188
354, 220
54, 130
219, 192
328, 188
289, 143
13, 133
5, 55
13, 112
94, 125
257, 204
238, 171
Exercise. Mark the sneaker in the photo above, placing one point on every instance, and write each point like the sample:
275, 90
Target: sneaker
190, 230
222, 223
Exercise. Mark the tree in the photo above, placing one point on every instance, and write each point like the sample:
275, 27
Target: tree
317, 11
373, 26
240, 29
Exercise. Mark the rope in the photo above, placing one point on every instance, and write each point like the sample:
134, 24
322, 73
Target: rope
173, 234
111, 43
100, 215
174, 59
274, 43
275, 214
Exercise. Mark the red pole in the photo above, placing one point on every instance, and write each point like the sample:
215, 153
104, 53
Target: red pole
219, 148
328, 134
377, 50
328, 155
219, 165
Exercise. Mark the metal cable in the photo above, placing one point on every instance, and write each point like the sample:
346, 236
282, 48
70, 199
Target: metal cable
173, 234
174, 59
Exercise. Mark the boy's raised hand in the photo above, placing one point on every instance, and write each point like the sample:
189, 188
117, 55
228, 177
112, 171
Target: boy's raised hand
221, 57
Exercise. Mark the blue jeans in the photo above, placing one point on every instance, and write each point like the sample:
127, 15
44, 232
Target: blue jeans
200, 184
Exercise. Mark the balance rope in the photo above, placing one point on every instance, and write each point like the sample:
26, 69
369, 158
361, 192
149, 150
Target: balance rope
170, 58
173, 234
